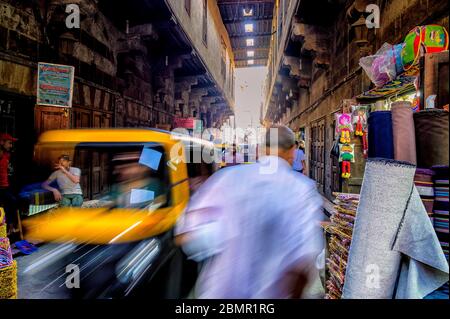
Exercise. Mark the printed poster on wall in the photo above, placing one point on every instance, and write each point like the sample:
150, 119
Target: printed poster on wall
188, 122
55, 84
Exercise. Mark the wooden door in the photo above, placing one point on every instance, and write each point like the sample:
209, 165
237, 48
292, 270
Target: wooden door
104, 173
107, 120
97, 119
317, 156
96, 174
50, 118
82, 160
81, 118
335, 179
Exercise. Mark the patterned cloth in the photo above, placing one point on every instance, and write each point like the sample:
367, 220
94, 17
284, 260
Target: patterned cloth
423, 179
341, 229
441, 217
36, 209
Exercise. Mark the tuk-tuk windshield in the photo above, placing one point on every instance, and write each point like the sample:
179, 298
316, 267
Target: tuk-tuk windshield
117, 175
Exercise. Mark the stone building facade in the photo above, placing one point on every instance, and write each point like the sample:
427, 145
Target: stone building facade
314, 70
136, 65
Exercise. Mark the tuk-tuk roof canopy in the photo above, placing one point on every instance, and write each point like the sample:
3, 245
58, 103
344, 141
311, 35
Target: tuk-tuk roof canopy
118, 135
106, 135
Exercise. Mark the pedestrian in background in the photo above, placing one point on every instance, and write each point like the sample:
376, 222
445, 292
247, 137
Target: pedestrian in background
233, 157
299, 163
68, 180
256, 230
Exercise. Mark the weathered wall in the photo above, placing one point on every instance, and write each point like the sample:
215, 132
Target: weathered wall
344, 79
211, 52
99, 52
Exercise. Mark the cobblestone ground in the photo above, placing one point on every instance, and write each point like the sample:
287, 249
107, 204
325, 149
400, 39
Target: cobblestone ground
32, 286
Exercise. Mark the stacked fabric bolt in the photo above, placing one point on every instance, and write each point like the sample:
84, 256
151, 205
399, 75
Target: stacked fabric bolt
423, 179
8, 271
340, 228
441, 211
441, 205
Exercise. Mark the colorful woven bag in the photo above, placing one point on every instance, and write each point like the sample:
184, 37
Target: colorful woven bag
431, 38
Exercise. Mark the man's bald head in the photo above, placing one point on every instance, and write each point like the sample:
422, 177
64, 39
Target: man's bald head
280, 137
280, 141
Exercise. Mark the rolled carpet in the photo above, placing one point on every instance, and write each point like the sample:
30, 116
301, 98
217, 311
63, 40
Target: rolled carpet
381, 139
404, 134
432, 139
394, 252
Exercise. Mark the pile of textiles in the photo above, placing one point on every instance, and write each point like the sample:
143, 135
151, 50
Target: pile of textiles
440, 216
441, 205
8, 271
423, 179
340, 229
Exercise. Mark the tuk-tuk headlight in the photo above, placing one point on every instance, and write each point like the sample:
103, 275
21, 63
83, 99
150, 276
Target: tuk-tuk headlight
137, 261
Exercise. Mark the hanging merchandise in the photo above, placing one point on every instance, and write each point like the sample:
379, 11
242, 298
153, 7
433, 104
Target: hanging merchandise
365, 145
416, 99
346, 156
360, 115
390, 61
420, 40
344, 127
393, 238
432, 138
404, 135
381, 67
380, 136
359, 118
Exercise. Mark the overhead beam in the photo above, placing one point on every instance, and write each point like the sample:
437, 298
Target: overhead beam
251, 35
233, 2
244, 19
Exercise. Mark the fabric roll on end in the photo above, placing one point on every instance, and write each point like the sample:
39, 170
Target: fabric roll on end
380, 137
389, 162
404, 135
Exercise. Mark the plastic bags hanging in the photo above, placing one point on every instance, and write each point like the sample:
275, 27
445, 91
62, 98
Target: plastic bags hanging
382, 66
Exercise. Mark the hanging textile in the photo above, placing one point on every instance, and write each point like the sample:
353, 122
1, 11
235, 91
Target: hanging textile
404, 135
394, 252
381, 140
432, 139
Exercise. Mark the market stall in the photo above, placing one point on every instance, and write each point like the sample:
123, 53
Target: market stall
391, 240
8, 266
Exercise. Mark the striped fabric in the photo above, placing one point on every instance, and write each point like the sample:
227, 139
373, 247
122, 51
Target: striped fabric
36, 209
441, 211
423, 179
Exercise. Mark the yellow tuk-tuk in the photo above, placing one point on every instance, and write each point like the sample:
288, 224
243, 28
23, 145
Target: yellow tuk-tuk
121, 238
